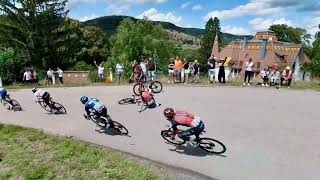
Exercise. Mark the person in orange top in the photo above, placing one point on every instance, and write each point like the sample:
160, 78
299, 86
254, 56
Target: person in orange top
178, 68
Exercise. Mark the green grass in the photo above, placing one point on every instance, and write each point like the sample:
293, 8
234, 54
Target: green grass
31, 154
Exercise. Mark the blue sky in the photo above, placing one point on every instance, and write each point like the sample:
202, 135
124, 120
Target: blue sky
236, 16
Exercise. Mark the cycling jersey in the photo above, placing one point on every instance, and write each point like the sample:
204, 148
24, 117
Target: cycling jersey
94, 104
185, 119
3, 93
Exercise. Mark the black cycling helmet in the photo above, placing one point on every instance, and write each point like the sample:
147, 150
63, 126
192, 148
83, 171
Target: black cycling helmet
84, 99
34, 90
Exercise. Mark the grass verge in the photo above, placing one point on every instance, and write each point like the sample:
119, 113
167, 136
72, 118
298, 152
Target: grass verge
31, 154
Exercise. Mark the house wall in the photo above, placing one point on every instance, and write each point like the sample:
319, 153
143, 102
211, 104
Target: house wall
76, 77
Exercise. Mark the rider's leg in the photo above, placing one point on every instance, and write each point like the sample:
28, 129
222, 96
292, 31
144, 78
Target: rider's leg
198, 130
185, 135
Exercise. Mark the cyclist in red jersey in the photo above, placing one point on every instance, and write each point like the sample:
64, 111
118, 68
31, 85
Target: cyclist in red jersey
148, 98
183, 118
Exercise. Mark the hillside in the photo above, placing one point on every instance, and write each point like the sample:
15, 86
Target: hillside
110, 23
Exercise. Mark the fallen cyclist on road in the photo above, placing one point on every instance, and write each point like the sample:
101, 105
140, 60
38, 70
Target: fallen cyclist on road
182, 118
148, 99
95, 109
3, 96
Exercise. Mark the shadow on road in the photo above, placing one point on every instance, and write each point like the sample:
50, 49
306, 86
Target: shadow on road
187, 149
110, 131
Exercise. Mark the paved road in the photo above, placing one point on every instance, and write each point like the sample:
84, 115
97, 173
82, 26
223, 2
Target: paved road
269, 134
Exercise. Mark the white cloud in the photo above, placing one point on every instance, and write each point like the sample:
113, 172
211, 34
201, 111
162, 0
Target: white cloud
86, 18
235, 30
312, 25
260, 24
154, 15
254, 7
185, 5
197, 7
73, 3
120, 6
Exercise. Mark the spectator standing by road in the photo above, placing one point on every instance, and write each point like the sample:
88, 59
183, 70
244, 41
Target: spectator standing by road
60, 75
211, 69
27, 77
35, 77
151, 64
171, 71
248, 72
49, 76
265, 76
100, 70
178, 68
186, 71
120, 71
144, 70
196, 71
221, 74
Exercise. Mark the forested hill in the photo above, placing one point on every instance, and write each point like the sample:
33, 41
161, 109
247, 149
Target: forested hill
110, 23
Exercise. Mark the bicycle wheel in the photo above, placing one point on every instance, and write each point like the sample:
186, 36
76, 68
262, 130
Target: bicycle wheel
137, 90
126, 101
212, 145
60, 109
120, 128
15, 105
99, 123
166, 134
45, 106
156, 87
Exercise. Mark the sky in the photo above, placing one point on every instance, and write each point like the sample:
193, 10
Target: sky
239, 17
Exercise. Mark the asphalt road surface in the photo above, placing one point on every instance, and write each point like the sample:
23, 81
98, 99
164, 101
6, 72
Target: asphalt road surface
269, 133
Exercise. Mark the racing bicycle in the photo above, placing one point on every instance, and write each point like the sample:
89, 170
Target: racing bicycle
103, 122
15, 105
57, 106
154, 86
207, 144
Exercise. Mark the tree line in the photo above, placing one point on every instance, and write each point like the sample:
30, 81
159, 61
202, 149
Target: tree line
38, 34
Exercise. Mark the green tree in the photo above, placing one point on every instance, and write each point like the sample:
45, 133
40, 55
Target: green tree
212, 29
32, 29
289, 34
9, 66
137, 40
314, 66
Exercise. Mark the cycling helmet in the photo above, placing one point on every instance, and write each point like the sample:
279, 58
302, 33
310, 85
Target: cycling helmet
168, 112
34, 90
84, 99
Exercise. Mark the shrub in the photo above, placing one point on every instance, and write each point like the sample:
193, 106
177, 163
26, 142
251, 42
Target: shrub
93, 76
83, 66
9, 66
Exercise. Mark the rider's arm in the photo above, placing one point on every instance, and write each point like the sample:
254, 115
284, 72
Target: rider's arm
87, 111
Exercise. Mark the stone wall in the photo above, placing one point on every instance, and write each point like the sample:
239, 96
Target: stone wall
76, 77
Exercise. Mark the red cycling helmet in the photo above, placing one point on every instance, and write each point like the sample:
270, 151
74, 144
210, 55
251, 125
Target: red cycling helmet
168, 112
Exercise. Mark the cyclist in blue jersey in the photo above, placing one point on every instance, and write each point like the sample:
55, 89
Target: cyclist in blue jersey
3, 98
96, 109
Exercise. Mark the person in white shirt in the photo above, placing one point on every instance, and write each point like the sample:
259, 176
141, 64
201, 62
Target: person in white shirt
248, 72
42, 95
60, 74
100, 70
144, 70
120, 71
265, 76
27, 77
49, 75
